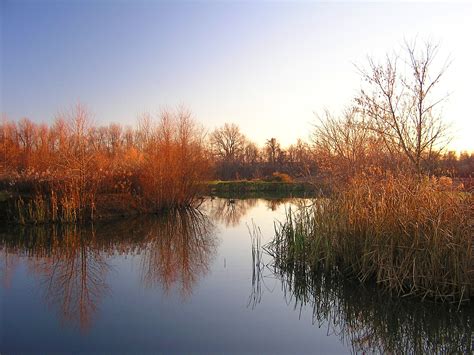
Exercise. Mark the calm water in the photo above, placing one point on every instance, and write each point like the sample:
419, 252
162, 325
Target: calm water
187, 283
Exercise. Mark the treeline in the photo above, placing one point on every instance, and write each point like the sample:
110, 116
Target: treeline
236, 157
341, 146
454, 165
117, 158
349, 144
148, 159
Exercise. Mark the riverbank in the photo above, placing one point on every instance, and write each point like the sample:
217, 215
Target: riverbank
26, 207
219, 187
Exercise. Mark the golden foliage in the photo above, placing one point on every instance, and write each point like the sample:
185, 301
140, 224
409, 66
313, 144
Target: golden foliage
60, 170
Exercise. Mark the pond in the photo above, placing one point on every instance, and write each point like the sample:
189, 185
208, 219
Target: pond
192, 283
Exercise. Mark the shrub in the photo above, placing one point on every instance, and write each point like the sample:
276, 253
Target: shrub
279, 177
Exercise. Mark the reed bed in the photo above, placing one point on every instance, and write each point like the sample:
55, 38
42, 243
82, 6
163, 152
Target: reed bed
51, 208
412, 235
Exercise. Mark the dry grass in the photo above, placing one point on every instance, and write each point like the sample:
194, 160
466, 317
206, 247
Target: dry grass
413, 236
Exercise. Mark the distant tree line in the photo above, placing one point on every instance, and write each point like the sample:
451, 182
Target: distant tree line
340, 146
236, 157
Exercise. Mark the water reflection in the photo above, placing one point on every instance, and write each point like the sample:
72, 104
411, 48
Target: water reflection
75, 267
231, 211
179, 249
71, 263
367, 319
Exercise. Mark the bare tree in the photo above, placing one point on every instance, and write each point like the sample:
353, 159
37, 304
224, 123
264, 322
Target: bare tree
251, 153
402, 102
344, 145
272, 150
174, 161
227, 142
77, 169
145, 129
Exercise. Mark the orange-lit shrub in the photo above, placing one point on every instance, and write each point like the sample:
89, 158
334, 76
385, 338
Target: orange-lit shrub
174, 162
160, 165
280, 177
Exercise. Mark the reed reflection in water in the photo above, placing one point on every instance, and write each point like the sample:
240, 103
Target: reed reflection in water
72, 263
365, 318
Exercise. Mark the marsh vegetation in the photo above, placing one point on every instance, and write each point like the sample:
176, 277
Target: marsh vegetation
389, 219
411, 237
69, 171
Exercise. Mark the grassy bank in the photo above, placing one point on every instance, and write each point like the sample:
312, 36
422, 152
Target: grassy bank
260, 186
38, 209
50, 208
410, 236
30, 207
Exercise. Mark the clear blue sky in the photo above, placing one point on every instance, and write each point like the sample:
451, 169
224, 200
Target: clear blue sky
264, 65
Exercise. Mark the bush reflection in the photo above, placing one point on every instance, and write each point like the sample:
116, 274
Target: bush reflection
72, 263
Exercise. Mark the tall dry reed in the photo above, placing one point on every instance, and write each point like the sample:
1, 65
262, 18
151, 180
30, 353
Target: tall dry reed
413, 236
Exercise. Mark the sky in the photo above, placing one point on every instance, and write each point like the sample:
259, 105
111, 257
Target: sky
267, 66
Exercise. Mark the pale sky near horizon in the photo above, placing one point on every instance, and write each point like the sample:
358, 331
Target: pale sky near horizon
267, 66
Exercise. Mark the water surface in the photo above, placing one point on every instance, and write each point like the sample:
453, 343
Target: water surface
188, 283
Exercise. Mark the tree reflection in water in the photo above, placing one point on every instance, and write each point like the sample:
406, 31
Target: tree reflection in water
8, 264
71, 261
231, 211
179, 250
69, 264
